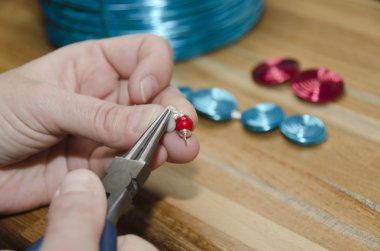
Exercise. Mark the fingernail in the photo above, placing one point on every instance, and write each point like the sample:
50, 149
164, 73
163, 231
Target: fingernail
76, 181
147, 87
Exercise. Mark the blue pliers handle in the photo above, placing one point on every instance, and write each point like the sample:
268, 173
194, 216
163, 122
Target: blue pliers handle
125, 176
108, 241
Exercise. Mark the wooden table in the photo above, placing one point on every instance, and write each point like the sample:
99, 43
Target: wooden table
255, 191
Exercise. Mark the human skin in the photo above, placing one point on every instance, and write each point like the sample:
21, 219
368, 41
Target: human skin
79, 106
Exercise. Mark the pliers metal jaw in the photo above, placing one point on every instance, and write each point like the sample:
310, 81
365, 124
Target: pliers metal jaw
127, 174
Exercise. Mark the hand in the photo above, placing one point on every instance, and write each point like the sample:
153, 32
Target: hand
78, 107
77, 215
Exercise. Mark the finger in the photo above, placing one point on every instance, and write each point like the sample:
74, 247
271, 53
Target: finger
133, 242
77, 213
125, 53
159, 157
107, 123
153, 70
119, 126
93, 67
176, 149
146, 60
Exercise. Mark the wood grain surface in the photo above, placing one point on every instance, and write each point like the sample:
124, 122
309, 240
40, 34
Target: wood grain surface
255, 191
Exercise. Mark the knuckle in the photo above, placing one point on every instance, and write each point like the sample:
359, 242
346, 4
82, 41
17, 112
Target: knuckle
162, 42
105, 119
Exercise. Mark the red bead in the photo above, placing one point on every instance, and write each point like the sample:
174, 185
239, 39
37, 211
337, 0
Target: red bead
184, 123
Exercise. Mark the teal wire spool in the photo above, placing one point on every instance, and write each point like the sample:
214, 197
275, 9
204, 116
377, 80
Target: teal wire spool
192, 27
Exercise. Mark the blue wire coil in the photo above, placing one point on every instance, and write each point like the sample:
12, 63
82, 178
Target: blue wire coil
192, 27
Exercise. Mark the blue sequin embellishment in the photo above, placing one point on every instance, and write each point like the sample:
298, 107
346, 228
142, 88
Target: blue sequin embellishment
263, 117
304, 129
215, 103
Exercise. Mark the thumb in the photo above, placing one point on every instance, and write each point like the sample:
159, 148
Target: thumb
77, 213
111, 124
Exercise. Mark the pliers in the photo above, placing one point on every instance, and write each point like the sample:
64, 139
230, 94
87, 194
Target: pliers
125, 176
